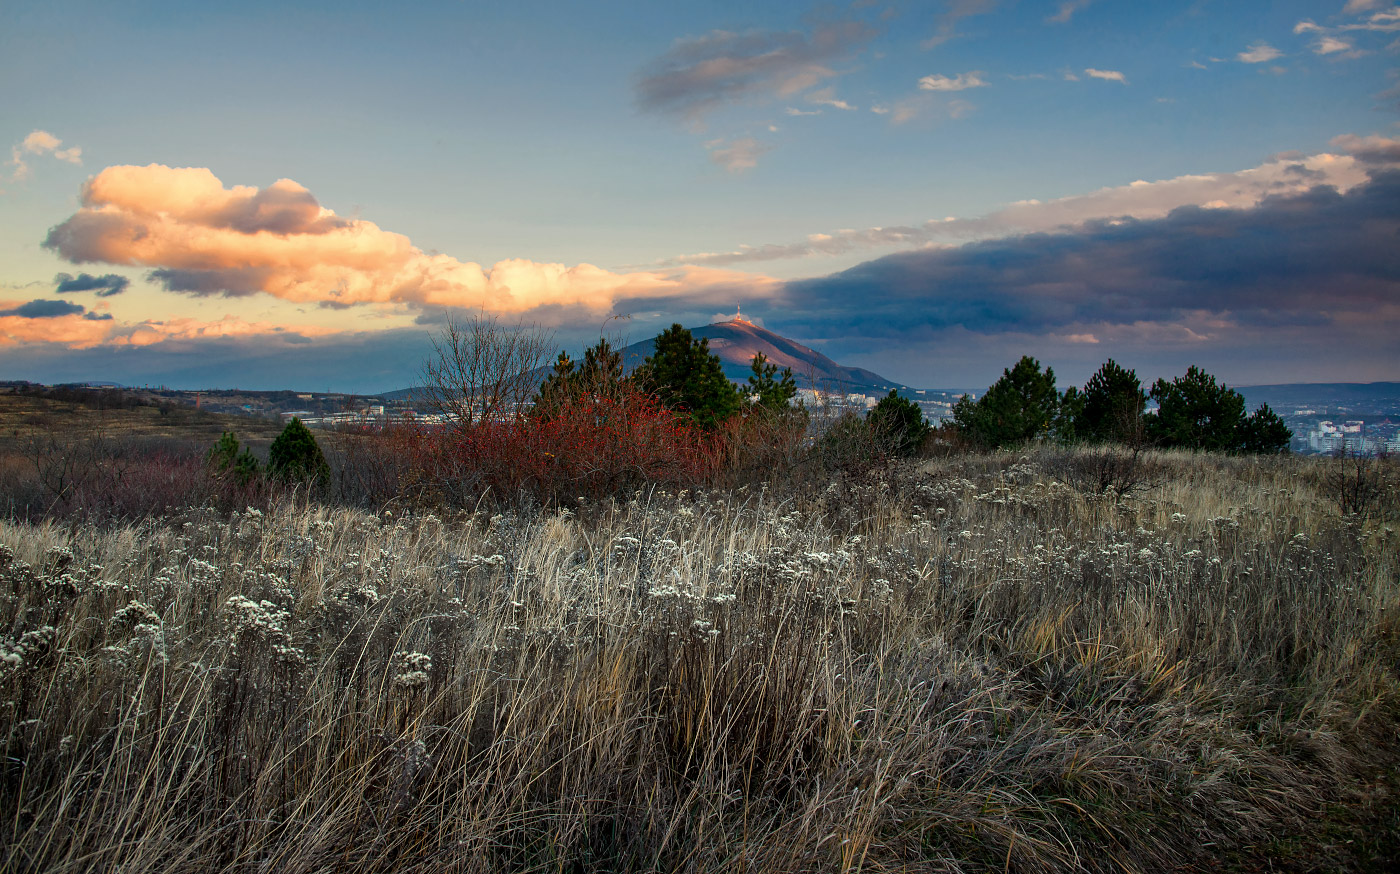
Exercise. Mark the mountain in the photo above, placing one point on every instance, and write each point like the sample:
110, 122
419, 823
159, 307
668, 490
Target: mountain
736, 341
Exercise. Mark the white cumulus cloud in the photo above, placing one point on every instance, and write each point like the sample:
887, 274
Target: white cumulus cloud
1110, 75
39, 142
1259, 53
960, 82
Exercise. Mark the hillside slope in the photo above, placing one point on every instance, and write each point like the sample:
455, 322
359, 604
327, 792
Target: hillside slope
736, 342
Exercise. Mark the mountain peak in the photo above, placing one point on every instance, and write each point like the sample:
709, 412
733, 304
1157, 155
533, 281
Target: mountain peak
737, 320
737, 340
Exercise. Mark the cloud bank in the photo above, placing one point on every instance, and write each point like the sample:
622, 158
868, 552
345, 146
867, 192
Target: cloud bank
1296, 275
201, 238
1140, 199
59, 324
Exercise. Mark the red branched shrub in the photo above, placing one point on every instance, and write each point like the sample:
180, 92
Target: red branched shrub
587, 446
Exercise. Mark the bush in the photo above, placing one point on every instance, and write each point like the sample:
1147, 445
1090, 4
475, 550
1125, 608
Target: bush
587, 446
295, 456
898, 424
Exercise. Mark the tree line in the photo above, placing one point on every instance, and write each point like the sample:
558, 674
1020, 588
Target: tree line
1194, 411
682, 373
592, 427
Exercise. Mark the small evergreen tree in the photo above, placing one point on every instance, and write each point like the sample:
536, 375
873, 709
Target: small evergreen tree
767, 389
295, 455
1066, 426
1113, 404
688, 378
557, 387
226, 458
600, 374
1021, 406
898, 424
601, 367
1265, 433
1196, 412
225, 452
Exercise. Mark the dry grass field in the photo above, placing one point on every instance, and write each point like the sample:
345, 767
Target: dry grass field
26, 417
963, 664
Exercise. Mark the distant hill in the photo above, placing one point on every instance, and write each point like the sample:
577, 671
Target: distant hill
1326, 397
735, 342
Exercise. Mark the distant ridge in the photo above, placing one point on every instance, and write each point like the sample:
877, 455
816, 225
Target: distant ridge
1352, 396
736, 341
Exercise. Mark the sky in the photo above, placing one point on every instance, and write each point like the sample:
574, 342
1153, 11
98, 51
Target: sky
300, 195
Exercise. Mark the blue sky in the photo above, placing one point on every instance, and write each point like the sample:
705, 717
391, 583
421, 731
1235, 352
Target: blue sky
927, 190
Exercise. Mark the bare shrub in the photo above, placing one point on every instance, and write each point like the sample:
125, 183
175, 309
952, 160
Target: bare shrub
1106, 470
367, 468
483, 370
1359, 483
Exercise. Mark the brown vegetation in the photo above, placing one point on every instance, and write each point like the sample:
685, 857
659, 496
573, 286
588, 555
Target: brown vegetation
1042, 662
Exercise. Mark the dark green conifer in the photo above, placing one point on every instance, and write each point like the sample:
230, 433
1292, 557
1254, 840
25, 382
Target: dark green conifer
295, 455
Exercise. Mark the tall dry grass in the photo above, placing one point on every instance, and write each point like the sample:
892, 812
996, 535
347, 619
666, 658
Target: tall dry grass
961, 665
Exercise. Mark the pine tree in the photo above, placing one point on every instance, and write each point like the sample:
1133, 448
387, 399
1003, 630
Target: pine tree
226, 458
1112, 408
898, 424
1265, 433
225, 452
1196, 412
766, 389
295, 455
557, 388
688, 378
1021, 406
599, 375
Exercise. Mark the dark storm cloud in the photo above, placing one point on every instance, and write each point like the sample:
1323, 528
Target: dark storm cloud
106, 285
1314, 258
230, 282
45, 309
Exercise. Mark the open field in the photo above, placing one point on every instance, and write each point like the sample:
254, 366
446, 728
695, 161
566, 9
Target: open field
82, 413
956, 665
102, 455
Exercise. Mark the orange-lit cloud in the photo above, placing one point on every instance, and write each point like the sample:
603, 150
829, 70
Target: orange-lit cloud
71, 331
201, 238
24, 324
